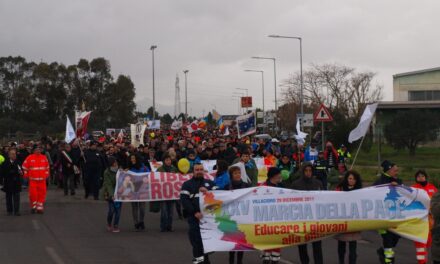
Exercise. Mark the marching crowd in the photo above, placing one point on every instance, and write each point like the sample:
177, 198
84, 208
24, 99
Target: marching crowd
94, 164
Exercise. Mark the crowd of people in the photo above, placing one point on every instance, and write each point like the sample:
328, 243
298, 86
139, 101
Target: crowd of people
35, 164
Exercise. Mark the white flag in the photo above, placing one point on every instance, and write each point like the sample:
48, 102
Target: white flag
364, 124
176, 125
300, 136
226, 132
70, 132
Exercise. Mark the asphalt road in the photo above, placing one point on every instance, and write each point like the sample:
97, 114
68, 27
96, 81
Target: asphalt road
73, 230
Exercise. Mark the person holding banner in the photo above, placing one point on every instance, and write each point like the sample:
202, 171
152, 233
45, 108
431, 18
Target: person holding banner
108, 191
389, 240
351, 181
308, 183
250, 166
421, 178
138, 208
189, 196
236, 182
166, 207
274, 179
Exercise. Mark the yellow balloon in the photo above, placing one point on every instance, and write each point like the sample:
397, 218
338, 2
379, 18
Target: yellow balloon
183, 165
2, 159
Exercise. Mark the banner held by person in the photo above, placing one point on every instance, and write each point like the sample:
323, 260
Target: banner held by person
263, 218
137, 134
246, 125
70, 132
145, 187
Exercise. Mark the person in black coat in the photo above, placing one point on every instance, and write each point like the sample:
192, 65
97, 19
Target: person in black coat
11, 174
92, 171
236, 182
307, 182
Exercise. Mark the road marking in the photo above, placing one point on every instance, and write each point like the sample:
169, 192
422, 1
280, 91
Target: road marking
36, 225
53, 254
286, 261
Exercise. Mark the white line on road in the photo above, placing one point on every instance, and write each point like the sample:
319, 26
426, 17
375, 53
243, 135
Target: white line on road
53, 254
36, 225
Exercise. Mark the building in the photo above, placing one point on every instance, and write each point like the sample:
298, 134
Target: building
411, 90
422, 85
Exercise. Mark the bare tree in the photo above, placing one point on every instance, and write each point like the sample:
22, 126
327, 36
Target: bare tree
337, 86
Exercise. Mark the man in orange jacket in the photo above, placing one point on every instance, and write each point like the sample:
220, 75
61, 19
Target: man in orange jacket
421, 178
36, 169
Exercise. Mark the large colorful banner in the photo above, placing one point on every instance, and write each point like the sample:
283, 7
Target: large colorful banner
263, 218
154, 186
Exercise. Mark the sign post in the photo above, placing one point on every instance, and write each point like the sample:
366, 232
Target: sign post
322, 115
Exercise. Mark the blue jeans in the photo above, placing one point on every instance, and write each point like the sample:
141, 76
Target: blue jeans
166, 215
114, 209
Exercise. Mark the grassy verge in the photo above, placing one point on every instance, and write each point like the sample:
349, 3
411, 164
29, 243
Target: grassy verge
426, 158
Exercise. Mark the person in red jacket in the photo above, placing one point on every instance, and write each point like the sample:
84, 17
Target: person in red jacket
36, 169
421, 178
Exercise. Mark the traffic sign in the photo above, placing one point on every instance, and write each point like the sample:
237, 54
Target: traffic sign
306, 120
323, 115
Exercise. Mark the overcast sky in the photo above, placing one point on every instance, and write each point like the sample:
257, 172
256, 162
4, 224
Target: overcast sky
214, 40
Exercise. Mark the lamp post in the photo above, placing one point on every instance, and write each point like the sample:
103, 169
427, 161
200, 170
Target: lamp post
152, 48
262, 82
275, 83
300, 58
239, 95
236, 97
186, 93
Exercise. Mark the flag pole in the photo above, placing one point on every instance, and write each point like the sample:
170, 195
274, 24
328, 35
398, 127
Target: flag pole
357, 152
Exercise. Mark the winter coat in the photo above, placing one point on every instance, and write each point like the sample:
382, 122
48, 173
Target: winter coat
387, 179
11, 173
109, 184
222, 181
237, 185
165, 168
307, 184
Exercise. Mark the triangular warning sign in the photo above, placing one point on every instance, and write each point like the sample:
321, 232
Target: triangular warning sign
322, 115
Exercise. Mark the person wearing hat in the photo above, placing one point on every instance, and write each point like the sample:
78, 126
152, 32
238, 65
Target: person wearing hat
389, 240
274, 179
308, 183
36, 169
93, 168
421, 178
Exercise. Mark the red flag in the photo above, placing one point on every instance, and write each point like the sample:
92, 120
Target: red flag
82, 119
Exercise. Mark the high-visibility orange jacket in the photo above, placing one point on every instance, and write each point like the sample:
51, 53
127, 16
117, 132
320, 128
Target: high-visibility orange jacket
429, 188
36, 167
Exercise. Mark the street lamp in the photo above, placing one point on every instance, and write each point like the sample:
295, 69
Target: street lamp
275, 82
262, 82
186, 94
274, 76
152, 48
238, 103
300, 58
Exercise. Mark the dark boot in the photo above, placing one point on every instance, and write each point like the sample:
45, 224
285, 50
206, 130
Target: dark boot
381, 255
231, 257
